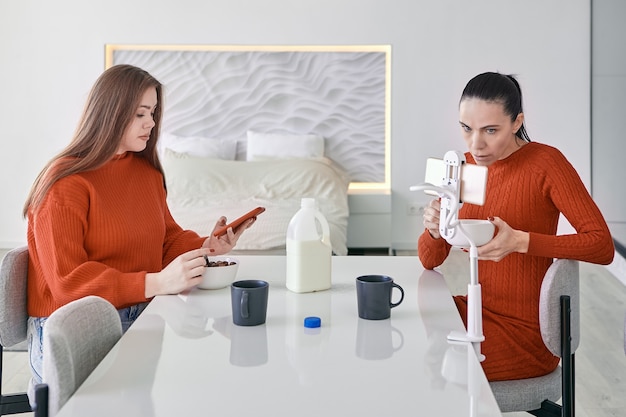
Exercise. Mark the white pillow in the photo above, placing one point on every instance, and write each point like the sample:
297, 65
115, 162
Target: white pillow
198, 146
283, 146
200, 190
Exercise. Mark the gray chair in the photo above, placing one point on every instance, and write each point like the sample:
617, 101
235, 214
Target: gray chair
76, 338
13, 319
559, 319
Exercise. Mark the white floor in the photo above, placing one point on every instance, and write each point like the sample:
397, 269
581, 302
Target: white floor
600, 359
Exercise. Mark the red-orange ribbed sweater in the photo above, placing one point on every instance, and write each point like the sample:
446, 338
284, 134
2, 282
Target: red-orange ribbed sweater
99, 233
527, 190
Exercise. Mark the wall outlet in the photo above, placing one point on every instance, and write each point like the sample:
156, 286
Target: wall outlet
415, 209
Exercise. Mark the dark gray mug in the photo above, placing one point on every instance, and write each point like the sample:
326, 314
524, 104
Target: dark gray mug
249, 302
374, 296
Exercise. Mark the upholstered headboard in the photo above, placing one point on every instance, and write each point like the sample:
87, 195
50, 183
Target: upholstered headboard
337, 93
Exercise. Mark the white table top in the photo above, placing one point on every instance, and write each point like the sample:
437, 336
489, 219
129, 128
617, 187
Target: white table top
184, 357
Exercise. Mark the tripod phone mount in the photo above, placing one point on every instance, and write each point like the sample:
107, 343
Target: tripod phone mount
460, 182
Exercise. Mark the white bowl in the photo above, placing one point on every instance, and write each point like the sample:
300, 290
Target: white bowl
481, 231
215, 277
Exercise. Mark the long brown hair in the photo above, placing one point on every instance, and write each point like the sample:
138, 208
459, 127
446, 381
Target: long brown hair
110, 108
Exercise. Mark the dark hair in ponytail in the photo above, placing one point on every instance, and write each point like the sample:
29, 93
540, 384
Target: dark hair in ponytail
499, 88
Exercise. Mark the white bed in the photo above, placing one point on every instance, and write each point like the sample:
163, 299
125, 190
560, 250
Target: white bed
267, 125
201, 189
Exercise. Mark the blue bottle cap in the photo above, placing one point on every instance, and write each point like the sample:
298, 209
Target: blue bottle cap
312, 322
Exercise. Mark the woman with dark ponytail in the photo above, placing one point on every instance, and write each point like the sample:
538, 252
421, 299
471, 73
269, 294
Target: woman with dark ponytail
529, 186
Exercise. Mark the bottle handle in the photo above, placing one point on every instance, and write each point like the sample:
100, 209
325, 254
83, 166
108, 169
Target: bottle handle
325, 228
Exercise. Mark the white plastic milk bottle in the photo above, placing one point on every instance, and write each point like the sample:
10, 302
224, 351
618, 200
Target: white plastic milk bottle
308, 251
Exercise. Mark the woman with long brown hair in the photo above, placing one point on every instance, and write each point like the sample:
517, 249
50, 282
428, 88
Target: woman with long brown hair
98, 220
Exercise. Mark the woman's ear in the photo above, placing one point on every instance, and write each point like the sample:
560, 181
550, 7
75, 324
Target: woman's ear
517, 123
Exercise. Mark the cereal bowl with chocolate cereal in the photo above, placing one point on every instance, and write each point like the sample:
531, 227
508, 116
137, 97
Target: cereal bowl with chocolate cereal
219, 272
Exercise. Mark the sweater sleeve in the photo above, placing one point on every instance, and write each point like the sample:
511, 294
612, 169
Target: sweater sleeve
432, 252
177, 240
592, 241
57, 234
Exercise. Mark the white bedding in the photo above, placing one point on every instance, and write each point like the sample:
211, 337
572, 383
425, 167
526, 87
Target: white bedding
200, 190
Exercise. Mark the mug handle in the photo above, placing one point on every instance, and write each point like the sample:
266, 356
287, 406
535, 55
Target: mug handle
244, 305
399, 333
392, 305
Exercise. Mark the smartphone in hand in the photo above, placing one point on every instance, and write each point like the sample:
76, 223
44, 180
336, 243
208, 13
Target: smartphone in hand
236, 223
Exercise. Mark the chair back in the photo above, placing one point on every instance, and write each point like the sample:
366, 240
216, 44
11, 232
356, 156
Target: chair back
562, 278
13, 308
77, 337
13, 319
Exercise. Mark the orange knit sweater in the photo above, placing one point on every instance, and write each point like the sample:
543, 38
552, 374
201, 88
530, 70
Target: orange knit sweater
527, 190
99, 233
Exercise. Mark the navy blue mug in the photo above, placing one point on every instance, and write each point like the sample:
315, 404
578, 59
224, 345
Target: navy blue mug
249, 302
374, 293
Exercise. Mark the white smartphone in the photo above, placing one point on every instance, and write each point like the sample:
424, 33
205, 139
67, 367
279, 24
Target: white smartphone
473, 180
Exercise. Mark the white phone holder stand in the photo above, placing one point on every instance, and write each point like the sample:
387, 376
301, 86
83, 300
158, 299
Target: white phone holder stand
463, 234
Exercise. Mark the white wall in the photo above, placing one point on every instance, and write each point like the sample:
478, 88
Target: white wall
609, 94
52, 52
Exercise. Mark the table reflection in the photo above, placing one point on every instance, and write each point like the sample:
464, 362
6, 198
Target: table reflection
375, 339
448, 361
248, 344
461, 367
306, 347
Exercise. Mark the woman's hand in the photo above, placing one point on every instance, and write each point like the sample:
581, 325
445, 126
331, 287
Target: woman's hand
181, 274
431, 218
225, 243
506, 241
